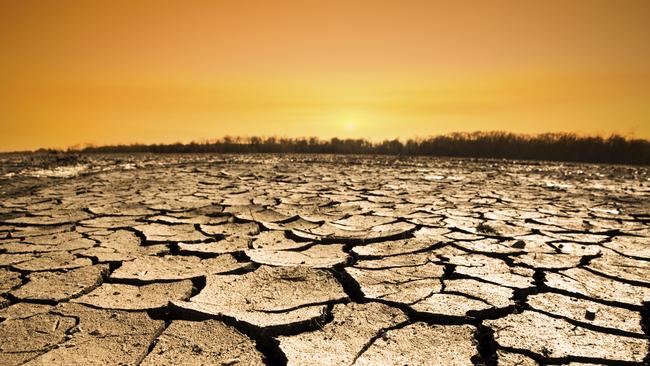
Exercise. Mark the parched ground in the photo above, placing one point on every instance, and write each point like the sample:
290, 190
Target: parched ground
323, 260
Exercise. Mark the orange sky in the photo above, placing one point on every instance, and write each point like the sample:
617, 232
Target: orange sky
164, 71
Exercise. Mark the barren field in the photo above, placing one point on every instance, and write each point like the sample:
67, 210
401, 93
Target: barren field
322, 260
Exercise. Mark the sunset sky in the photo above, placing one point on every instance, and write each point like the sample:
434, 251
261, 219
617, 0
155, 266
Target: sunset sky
106, 72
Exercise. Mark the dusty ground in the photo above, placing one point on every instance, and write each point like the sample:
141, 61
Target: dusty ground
321, 260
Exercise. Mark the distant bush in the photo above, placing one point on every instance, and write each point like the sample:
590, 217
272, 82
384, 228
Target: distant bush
549, 146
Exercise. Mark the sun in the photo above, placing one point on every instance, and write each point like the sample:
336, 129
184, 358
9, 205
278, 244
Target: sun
350, 125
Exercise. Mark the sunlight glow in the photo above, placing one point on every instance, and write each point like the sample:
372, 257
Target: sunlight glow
118, 73
350, 125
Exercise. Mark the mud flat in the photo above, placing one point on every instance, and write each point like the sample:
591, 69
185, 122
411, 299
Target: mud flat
324, 260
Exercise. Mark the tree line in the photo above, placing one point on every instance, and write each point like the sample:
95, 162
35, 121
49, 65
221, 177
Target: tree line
550, 146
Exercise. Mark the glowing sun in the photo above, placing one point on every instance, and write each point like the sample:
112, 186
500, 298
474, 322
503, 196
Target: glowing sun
350, 125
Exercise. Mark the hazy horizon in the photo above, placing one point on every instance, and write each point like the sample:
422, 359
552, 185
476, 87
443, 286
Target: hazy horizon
246, 139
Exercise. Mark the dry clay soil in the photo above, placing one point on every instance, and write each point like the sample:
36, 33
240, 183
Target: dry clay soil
323, 260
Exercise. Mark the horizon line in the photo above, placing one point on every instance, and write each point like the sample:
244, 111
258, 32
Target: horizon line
245, 139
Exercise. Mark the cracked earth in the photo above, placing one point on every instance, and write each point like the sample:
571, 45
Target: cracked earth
323, 260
